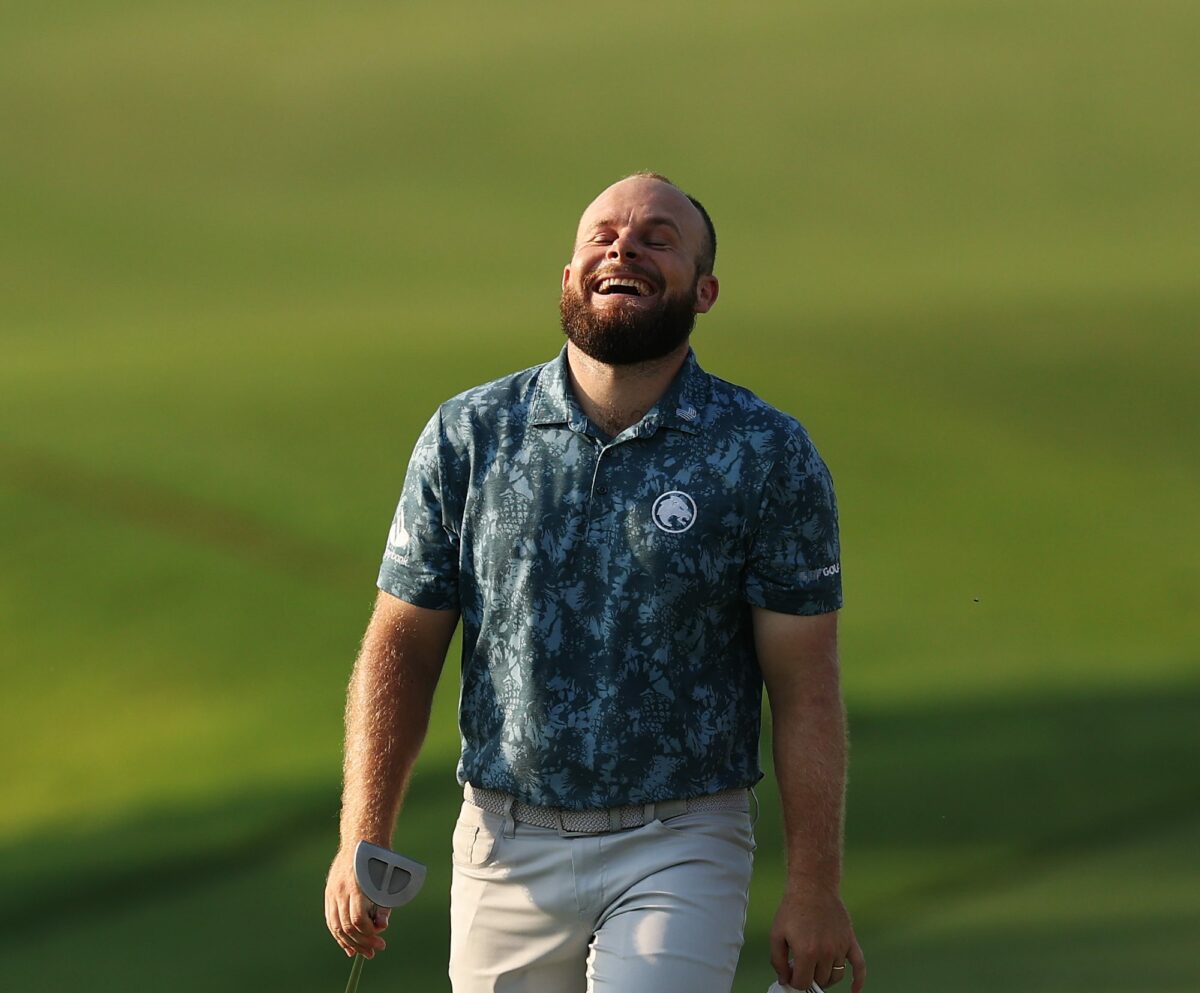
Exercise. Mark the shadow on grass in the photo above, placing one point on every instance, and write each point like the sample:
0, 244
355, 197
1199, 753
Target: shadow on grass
955, 803
1041, 779
1012, 786
1026, 780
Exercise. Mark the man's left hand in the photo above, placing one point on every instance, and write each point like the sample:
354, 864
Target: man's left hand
812, 939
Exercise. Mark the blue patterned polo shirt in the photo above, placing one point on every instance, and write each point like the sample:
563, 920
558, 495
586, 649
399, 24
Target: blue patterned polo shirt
605, 584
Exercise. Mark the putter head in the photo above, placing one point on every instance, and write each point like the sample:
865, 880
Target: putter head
386, 879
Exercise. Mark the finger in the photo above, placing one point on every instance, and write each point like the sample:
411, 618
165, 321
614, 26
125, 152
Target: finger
334, 924
355, 917
803, 973
859, 964
363, 919
823, 971
335, 928
369, 929
837, 973
342, 920
779, 960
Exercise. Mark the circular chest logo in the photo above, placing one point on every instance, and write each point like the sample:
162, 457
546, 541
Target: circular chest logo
674, 512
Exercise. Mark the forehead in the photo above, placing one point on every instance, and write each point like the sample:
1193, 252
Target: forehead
639, 200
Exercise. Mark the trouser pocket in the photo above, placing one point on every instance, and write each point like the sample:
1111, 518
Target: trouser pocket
474, 841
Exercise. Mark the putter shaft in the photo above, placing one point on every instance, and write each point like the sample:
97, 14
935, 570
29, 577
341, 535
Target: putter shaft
355, 972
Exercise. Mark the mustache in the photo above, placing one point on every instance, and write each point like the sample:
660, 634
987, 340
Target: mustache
606, 270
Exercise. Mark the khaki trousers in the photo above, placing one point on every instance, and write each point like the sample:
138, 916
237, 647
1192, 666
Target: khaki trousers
655, 909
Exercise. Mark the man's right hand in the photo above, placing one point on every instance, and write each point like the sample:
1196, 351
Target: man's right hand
352, 919
387, 712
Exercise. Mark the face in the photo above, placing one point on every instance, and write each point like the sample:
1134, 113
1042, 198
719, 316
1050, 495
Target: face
632, 290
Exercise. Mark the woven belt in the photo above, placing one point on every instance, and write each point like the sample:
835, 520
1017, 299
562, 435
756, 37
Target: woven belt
601, 820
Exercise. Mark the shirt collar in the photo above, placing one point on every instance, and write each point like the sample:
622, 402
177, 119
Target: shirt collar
553, 401
681, 407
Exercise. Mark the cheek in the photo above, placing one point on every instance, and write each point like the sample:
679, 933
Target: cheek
682, 279
579, 274
586, 259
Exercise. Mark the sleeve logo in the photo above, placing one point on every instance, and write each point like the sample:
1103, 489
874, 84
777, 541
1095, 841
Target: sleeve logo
398, 537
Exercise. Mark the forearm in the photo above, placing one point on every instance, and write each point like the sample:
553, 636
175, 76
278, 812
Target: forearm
809, 745
812, 938
385, 726
387, 714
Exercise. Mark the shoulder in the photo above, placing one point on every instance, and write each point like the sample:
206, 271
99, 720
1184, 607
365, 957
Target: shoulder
512, 390
746, 418
491, 408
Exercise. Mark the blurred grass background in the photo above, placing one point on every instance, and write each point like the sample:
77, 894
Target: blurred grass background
248, 247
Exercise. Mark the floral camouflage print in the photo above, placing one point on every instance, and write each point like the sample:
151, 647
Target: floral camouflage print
605, 585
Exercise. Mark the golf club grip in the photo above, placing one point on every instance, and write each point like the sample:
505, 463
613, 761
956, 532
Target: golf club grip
355, 972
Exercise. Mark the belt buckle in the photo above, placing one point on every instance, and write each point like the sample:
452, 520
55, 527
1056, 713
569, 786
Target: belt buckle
667, 809
566, 832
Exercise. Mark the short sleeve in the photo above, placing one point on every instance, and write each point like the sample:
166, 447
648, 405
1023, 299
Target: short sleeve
794, 562
420, 562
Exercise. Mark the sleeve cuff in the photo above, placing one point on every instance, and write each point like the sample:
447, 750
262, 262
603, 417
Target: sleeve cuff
420, 589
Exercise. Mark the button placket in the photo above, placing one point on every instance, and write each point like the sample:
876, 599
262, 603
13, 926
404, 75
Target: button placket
583, 475
600, 508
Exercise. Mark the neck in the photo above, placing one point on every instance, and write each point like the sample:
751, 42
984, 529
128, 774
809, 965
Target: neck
615, 397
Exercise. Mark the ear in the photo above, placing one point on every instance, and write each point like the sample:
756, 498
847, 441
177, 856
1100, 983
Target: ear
566, 276
707, 290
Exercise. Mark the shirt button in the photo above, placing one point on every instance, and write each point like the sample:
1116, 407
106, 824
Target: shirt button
602, 490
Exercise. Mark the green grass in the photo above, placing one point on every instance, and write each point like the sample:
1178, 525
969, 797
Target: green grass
248, 248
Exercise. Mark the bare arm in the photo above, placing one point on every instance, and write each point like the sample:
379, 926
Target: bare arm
387, 714
798, 657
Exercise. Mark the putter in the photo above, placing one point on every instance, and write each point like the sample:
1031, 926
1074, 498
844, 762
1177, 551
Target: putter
387, 880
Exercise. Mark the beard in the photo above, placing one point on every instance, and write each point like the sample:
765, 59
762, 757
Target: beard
628, 335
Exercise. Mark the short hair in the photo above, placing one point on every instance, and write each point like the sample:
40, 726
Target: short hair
708, 253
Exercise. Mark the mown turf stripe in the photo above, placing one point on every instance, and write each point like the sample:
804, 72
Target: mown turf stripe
1028, 861
178, 515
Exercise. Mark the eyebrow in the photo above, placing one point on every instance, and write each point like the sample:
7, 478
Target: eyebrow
654, 221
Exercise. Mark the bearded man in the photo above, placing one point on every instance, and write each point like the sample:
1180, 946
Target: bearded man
634, 547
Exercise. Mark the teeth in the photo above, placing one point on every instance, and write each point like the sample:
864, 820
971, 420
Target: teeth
643, 288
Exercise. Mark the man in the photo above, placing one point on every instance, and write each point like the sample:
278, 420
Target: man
634, 547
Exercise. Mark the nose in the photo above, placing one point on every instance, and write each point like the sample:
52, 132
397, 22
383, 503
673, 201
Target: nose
623, 247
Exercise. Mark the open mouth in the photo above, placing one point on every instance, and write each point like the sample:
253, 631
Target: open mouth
624, 286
